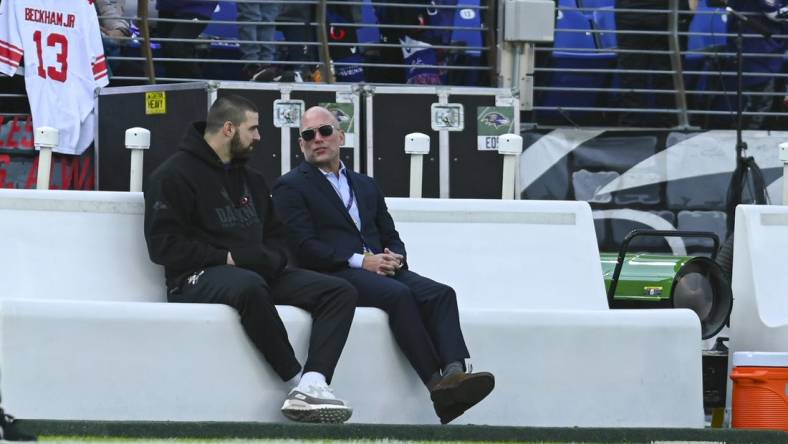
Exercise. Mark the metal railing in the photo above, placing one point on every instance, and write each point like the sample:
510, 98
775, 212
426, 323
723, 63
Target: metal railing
326, 52
584, 79
610, 77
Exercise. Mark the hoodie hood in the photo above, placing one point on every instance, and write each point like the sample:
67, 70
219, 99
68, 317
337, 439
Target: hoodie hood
234, 181
194, 144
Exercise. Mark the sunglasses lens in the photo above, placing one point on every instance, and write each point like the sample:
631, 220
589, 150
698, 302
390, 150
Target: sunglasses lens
326, 130
308, 135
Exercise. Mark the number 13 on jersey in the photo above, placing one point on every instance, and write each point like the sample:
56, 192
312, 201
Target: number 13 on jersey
59, 43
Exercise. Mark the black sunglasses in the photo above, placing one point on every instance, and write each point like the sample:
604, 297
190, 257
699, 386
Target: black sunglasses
324, 130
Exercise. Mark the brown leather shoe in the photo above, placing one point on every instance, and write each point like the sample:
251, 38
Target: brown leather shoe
458, 392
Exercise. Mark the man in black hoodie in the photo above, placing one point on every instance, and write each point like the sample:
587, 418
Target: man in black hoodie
209, 221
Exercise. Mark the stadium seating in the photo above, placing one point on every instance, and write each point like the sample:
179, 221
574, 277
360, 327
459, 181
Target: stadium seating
713, 221
707, 33
603, 19
573, 31
596, 4
85, 335
620, 227
469, 16
575, 48
708, 28
369, 33
225, 11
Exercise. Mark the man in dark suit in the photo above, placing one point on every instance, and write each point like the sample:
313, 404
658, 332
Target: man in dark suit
338, 223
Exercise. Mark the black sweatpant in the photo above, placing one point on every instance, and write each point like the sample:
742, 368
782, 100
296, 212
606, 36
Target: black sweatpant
331, 301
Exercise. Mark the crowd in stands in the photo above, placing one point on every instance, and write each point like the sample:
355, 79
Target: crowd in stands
616, 57
443, 42
275, 41
625, 52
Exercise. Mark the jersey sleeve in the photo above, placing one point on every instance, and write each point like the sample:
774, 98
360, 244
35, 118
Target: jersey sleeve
10, 39
95, 48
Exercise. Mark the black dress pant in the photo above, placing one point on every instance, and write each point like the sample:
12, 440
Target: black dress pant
423, 316
331, 302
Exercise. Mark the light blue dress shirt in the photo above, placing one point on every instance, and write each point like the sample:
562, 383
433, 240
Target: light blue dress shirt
342, 187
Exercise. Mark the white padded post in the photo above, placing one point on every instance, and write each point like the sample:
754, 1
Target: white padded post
45, 139
510, 146
416, 145
137, 140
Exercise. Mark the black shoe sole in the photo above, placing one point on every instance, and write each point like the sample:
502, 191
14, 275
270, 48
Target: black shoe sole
452, 412
451, 402
323, 416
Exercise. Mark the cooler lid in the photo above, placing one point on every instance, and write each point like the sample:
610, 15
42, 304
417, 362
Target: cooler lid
760, 359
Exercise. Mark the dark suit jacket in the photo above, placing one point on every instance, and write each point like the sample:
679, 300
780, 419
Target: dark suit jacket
320, 231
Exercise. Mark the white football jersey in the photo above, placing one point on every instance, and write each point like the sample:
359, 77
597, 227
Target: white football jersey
64, 62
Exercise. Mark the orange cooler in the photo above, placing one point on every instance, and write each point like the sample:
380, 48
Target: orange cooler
760, 390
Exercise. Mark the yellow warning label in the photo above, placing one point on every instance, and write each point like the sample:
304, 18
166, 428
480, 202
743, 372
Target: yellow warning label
156, 102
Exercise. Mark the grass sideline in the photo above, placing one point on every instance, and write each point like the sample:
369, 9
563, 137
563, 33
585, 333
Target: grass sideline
91, 431
67, 440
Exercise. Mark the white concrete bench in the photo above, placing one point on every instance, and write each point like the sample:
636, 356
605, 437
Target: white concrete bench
84, 335
504, 254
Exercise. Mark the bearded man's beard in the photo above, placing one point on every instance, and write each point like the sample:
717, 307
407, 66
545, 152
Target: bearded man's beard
237, 150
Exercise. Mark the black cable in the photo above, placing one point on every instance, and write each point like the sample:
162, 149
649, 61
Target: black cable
760, 194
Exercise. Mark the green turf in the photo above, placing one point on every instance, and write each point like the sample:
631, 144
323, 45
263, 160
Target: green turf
224, 432
94, 440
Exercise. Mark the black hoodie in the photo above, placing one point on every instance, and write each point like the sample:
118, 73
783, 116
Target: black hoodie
197, 209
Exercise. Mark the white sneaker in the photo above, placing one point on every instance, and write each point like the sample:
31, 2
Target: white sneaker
316, 404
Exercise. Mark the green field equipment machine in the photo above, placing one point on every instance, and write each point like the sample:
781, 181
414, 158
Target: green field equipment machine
653, 280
